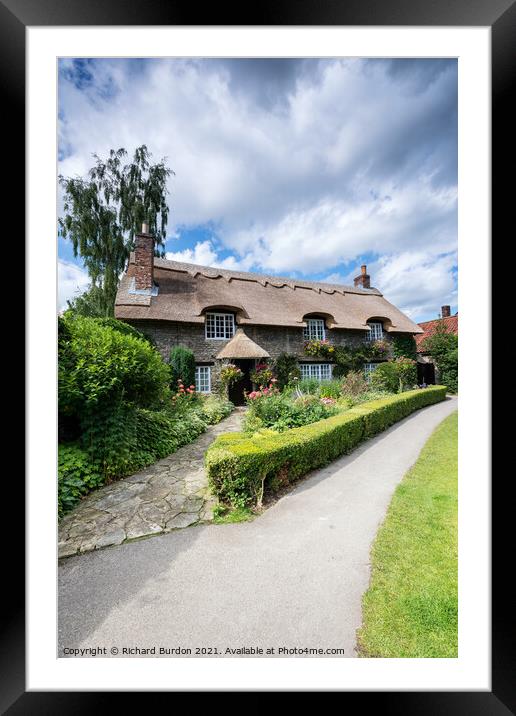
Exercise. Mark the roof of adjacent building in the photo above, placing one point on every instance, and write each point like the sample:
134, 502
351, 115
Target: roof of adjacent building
451, 323
186, 291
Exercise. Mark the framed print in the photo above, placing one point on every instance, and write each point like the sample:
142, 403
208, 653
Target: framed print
246, 244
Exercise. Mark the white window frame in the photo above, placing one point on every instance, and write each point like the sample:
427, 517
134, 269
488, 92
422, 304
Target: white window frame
369, 369
203, 378
315, 371
376, 332
222, 325
315, 329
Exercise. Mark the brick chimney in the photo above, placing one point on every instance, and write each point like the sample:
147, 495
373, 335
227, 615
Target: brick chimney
364, 280
445, 311
144, 260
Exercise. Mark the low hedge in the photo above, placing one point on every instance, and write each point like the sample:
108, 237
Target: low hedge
240, 467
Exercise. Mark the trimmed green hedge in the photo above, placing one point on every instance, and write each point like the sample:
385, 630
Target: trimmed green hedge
239, 466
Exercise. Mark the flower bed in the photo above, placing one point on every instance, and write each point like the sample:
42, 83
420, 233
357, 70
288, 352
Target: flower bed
240, 467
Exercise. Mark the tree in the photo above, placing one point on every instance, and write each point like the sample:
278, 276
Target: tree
443, 346
104, 211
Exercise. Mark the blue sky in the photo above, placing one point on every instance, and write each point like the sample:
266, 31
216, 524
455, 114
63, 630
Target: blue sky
306, 168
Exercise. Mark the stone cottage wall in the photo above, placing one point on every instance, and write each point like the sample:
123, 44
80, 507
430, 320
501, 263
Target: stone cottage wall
167, 335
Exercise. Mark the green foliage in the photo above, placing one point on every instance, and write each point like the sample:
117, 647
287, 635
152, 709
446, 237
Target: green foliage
280, 411
215, 408
286, 369
77, 475
309, 385
125, 329
262, 375
229, 374
99, 366
404, 346
224, 515
182, 366
104, 211
354, 384
443, 346
330, 389
91, 303
395, 376
348, 357
242, 467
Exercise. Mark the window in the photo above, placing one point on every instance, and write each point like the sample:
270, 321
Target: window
203, 378
376, 332
314, 329
220, 325
369, 369
319, 371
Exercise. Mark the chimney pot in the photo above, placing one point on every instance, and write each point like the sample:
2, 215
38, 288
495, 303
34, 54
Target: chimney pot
145, 228
445, 311
363, 269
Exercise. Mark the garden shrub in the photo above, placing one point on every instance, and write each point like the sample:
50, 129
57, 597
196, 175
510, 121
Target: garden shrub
286, 369
101, 366
214, 408
395, 376
77, 475
124, 328
354, 384
240, 467
443, 346
404, 346
280, 411
182, 366
309, 385
330, 389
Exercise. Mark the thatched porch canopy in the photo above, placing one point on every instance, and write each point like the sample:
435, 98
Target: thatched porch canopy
241, 346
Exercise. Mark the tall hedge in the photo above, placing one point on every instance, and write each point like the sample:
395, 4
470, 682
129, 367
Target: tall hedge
104, 375
240, 467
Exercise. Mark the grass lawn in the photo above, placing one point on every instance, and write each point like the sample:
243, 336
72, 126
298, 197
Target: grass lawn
410, 608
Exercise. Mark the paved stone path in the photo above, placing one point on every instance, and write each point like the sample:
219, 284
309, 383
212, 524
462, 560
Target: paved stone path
170, 494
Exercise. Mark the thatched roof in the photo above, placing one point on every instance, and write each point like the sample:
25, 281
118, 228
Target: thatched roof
187, 291
241, 346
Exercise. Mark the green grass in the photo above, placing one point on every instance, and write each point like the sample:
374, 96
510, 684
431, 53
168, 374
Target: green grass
410, 609
227, 516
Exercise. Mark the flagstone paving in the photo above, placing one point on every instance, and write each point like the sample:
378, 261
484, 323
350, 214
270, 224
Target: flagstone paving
171, 494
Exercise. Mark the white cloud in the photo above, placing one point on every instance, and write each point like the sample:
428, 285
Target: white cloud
71, 281
204, 254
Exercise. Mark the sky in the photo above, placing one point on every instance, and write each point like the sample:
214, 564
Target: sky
295, 167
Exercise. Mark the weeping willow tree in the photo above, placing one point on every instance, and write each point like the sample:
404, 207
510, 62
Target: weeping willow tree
102, 213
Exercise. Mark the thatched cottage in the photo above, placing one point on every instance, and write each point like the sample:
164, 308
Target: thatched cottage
244, 317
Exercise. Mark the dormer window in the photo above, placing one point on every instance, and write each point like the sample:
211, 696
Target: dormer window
376, 332
220, 326
314, 329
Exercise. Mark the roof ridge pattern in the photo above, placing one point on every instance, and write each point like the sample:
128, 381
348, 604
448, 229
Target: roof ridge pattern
263, 279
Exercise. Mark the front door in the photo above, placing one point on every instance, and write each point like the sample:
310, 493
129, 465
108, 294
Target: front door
236, 391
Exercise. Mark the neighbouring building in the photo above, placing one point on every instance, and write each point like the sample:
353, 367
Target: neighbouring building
244, 318
427, 371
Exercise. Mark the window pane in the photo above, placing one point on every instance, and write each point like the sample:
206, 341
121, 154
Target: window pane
203, 378
314, 329
220, 325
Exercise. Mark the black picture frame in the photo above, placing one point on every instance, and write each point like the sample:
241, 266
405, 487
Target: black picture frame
500, 15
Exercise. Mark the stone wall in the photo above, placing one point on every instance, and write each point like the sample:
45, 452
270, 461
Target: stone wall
167, 335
